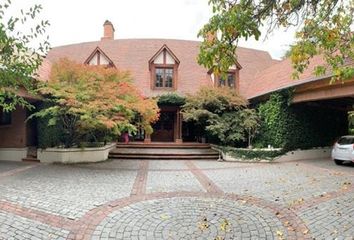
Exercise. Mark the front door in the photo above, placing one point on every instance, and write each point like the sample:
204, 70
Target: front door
164, 128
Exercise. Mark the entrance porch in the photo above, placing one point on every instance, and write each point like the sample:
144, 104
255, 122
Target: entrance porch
169, 126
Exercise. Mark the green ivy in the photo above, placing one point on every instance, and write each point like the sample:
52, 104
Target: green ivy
48, 136
298, 126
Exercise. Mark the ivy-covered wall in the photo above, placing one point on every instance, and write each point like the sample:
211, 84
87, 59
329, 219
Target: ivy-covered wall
298, 125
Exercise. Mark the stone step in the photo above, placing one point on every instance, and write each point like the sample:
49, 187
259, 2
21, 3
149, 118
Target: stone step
164, 145
164, 151
161, 151
165, 157
164, 154
30, 159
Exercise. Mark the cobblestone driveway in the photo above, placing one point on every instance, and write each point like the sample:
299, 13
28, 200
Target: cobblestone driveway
312, 199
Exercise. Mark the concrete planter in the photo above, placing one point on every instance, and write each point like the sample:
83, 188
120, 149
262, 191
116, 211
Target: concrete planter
13, 154
75, 155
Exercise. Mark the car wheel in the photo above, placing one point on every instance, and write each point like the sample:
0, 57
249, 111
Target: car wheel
338, 162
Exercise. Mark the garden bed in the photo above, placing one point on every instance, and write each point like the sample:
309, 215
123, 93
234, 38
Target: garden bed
75, 155
249, 155
271, 154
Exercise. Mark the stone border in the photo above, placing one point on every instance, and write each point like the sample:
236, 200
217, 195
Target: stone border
203, 179
75, 155
17, 170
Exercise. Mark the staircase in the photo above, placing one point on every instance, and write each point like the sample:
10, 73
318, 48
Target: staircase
164, 151
31, 155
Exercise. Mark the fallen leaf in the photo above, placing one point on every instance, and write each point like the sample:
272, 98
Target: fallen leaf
164, 217
203, 225
280, 235
219, 238
224, 225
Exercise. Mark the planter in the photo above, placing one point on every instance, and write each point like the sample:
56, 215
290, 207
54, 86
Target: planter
13, 154
248, 155
75, 155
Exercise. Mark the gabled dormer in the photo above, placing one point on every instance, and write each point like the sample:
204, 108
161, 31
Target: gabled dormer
230, 80
98, 57
163, 67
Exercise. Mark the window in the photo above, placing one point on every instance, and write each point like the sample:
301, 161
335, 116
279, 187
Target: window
163, 68
230, 80
164, 77
5, 118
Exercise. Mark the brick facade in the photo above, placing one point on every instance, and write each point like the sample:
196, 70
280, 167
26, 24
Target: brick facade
15, 134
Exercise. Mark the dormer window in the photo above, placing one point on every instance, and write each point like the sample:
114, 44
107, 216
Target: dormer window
229, 81
98, 57
163, 77
163, 66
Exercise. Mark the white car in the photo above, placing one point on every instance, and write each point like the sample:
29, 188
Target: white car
343, 150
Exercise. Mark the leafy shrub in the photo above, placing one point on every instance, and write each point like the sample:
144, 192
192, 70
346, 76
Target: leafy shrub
171, 99
221, 113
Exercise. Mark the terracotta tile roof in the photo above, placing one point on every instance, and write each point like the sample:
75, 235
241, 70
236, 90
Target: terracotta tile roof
44, 70
278, 76
134, 54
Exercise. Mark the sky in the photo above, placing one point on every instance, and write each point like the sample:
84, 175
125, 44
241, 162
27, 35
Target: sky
75, 21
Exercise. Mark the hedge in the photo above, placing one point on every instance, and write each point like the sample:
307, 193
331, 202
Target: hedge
253, 154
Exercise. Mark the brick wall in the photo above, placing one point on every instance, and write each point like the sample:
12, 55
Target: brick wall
14, 135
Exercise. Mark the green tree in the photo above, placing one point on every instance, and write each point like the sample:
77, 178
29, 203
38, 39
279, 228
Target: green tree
221, 113
324, 29
21, 53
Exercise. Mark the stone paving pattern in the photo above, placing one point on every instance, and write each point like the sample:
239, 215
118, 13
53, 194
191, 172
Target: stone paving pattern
123, 199
15, 227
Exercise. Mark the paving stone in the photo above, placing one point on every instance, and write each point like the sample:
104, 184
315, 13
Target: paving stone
333, 219
22, 228
71, 191
172, 181
66, 191
282, 183
204, 219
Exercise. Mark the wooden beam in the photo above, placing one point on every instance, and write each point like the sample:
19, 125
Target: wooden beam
338, 91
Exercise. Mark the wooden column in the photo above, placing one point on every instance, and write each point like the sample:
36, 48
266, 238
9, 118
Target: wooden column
147, 138
179, 126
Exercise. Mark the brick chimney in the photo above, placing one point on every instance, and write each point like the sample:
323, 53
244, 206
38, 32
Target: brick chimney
108, 31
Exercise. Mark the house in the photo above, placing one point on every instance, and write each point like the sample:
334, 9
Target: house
160, 66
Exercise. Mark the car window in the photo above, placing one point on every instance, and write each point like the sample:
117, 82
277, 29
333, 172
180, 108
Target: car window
345, 140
